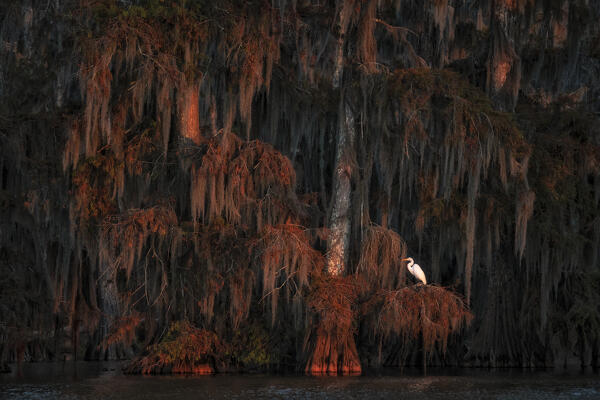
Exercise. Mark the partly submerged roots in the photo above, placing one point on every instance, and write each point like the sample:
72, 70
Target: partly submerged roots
330, 340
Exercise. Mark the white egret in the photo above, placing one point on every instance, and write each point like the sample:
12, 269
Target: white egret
415, 270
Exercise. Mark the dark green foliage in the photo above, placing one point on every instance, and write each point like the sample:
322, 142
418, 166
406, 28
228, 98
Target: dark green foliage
252, 348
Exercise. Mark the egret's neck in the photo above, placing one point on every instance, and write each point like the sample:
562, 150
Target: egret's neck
410, 262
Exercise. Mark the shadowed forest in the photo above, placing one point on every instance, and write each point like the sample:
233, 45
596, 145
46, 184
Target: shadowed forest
209, 186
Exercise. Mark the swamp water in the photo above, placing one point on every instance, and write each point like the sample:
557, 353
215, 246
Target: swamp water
94, 380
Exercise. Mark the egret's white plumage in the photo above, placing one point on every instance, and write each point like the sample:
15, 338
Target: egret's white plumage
415, 270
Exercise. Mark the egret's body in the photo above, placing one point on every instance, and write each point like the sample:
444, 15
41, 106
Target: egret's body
415, 270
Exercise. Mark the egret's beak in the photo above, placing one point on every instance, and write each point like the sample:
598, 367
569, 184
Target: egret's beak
404, 259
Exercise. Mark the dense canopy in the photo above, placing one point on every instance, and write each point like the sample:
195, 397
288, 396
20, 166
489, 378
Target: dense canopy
213, 186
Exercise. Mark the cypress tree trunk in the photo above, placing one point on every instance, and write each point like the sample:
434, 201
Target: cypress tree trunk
334, 349
337, 244
110, 307
189, 113
339, 222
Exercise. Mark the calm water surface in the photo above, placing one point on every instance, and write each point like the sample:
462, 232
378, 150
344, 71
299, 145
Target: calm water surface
91, 380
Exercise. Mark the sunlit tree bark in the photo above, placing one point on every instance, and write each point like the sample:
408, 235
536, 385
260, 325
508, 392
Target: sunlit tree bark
339, 225
334, 348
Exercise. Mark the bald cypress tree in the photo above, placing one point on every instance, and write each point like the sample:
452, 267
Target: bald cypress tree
250, 174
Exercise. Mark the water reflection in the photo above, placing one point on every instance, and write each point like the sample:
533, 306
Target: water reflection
88, 380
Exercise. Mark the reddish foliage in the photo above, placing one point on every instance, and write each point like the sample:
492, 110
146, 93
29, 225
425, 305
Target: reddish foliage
431, 311
247, 183
92, 187
380, 255
125, 235
123, 330
184, 350
331, 341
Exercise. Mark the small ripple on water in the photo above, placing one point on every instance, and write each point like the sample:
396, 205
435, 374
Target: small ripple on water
33, 392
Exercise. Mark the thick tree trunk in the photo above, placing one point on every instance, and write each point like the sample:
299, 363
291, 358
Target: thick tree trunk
334, 348
110, 306
339, 223
188, 112
337, 244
